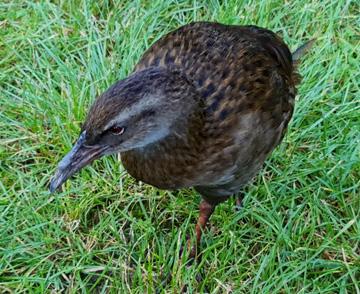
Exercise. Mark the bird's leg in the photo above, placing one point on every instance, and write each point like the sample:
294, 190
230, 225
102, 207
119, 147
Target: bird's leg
206, 208
238, 200
205, 211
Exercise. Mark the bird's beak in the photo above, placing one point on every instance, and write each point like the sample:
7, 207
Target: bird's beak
79, 156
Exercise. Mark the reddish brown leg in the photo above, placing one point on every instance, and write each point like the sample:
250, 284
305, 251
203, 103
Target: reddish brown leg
238, 200
205, 211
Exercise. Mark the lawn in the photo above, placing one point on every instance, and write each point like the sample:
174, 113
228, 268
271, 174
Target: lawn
299, 229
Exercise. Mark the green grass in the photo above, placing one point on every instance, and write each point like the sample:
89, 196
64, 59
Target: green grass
299, 230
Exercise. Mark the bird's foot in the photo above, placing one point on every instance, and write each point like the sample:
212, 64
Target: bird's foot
238, 201
191, 251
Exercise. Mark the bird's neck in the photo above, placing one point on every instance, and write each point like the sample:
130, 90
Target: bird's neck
162, 163
184, 134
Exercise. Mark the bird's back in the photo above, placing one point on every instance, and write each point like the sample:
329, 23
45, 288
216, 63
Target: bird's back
246, 82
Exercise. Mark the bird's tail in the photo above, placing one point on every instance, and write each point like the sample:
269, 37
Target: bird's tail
296, 57
302, 50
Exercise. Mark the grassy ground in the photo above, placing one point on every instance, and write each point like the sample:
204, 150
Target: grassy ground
299, 230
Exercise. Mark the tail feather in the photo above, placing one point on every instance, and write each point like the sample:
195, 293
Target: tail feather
299, 52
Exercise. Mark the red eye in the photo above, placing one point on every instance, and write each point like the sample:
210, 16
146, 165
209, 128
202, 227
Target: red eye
117, 130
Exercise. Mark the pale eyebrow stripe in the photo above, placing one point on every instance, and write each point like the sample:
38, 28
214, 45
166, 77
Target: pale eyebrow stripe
145, 103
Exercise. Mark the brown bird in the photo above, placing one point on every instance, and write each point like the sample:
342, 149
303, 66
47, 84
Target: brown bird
204, 108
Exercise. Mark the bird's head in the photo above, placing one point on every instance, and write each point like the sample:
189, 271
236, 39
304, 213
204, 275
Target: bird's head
133, 113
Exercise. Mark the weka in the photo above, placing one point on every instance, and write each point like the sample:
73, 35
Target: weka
204, 108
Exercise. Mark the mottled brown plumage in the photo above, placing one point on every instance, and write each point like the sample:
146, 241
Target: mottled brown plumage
245, 79
204, 108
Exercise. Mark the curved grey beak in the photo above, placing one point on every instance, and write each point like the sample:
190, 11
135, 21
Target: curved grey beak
79, 156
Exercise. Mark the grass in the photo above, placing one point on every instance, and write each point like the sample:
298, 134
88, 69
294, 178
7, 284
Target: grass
299, 230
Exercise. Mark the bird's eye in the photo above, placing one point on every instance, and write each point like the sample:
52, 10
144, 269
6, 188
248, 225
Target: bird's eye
117, 130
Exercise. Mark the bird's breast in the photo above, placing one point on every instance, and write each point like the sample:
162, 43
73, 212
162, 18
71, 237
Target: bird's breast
162, 168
